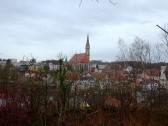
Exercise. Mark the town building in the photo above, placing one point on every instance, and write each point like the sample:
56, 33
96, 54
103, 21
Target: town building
12, 61
53, 65
81, 62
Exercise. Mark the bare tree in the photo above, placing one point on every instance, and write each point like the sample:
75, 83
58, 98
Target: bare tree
165, 39
158, 53
113, 2
139, 51
123, 50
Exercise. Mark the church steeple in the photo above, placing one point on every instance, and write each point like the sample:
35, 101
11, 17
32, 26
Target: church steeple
87, 48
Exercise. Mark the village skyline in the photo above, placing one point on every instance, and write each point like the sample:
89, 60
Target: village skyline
44, 29
83, 63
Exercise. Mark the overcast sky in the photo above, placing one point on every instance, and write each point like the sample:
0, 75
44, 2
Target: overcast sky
44, 28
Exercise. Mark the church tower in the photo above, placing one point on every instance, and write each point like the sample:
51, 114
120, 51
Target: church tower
87, 48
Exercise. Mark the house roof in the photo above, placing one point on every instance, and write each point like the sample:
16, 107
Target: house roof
79, 58
72, 75
153, 72
107, 69
55, 62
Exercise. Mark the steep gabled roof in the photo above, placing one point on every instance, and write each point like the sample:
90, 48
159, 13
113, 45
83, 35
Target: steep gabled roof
79, 58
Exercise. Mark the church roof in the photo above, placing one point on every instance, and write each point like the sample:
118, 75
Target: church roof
79, 58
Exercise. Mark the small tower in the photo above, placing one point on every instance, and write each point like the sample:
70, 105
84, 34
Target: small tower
87, 48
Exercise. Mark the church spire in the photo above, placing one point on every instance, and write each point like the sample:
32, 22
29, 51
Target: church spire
87, 48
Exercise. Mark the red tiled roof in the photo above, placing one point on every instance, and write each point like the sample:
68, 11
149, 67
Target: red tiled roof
153, 72
79, 58
72, 75
107, 69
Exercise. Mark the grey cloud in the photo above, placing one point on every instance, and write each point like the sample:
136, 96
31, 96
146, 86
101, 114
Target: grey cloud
61, 25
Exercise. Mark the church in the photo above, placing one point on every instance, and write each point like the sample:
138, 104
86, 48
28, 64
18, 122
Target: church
80, 62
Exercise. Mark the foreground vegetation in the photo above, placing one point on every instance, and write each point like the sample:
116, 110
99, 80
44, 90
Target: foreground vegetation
35, 101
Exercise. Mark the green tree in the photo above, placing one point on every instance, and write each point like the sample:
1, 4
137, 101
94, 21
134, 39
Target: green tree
64, 89
64, 83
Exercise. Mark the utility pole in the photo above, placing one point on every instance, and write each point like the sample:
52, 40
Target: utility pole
162, 29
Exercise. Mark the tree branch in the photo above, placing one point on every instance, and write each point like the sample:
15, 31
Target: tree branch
110, 1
